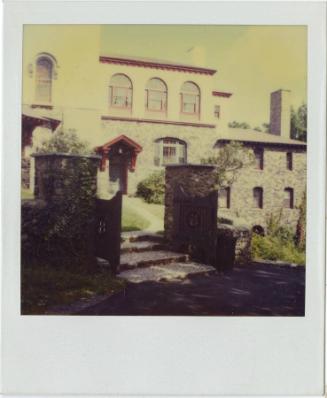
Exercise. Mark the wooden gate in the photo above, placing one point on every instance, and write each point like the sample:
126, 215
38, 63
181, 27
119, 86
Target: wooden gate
108, 230
195, 225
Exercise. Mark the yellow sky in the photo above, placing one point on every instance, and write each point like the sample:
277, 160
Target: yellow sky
252, 61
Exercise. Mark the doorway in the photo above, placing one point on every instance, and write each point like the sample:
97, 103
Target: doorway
118, 175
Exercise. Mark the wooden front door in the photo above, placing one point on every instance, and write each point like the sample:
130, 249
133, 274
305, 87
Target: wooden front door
118, 176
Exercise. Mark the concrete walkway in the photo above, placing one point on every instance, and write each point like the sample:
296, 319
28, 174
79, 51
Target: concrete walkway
137, 204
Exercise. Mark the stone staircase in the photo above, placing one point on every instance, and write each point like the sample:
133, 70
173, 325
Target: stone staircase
146, 257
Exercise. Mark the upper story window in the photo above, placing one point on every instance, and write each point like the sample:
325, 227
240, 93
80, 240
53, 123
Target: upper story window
120, 92
288, 202
43, 76
190, 98
224, 198
169, 151
217, 111
156, 95
258, 158
289, 161
258, 197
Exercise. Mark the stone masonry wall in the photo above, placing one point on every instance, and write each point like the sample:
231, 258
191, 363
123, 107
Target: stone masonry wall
274, 178
26, 165
196, 180
199, 140
49, 171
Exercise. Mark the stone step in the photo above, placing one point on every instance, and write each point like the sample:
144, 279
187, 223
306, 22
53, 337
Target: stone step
169, 272
148, 258
139, 236
141, 246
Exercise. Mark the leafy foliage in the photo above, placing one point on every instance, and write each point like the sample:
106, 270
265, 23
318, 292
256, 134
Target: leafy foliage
152, 188
60, 232
240, 125
302, 222
299, 123
230, 159
278, 244
65, 142
271, 248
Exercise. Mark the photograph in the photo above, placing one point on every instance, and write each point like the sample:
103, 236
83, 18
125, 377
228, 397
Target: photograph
163, 170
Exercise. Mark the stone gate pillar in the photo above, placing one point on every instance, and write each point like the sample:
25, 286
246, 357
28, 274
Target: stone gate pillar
56, 174
196, 180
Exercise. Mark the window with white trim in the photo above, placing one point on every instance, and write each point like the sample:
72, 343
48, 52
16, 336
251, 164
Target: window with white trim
156, 95
43, 80
170, 151
120, 92
190, 98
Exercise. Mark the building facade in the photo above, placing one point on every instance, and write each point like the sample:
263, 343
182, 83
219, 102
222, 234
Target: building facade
142, 114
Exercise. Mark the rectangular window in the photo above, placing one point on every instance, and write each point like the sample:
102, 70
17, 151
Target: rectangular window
190, 103
288, 202
121, 97
258, 157
289, 161
217, 111
156, 100
258, 198
224, 198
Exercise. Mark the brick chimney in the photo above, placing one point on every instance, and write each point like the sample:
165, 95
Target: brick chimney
280, 113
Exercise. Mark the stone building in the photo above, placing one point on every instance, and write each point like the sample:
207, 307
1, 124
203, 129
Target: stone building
142, 114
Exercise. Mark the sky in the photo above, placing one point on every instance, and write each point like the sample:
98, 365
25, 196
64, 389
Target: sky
251, 61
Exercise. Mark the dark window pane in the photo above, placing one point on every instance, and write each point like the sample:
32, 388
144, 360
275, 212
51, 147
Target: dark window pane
289, 160
258, 198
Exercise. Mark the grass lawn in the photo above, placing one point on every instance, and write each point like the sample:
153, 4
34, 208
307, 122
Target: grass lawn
156, 210
45, 286
132, 221
26, 194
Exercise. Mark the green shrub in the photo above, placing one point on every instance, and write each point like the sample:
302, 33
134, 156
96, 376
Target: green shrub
278, 244
276, 248
152, 188
65, 142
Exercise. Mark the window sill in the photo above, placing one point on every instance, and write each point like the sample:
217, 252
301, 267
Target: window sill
42, 106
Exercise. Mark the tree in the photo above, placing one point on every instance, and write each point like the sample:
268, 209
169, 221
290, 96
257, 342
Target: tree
301, 224
65, 142
230, 159
238, 125
299, 123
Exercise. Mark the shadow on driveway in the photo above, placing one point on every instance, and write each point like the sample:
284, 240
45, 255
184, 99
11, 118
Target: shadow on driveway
251, 290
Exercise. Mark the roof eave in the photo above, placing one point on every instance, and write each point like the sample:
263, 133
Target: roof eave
157, 65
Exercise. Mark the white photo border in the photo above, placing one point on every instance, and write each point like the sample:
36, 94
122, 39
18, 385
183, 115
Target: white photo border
164, 355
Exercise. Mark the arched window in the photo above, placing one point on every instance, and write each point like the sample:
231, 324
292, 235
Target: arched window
120, 92
288, 202
169, 151
44, 75
190, 98
224, 198
156, 95
258, 197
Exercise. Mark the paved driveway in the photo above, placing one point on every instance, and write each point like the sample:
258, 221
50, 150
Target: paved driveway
255, 289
